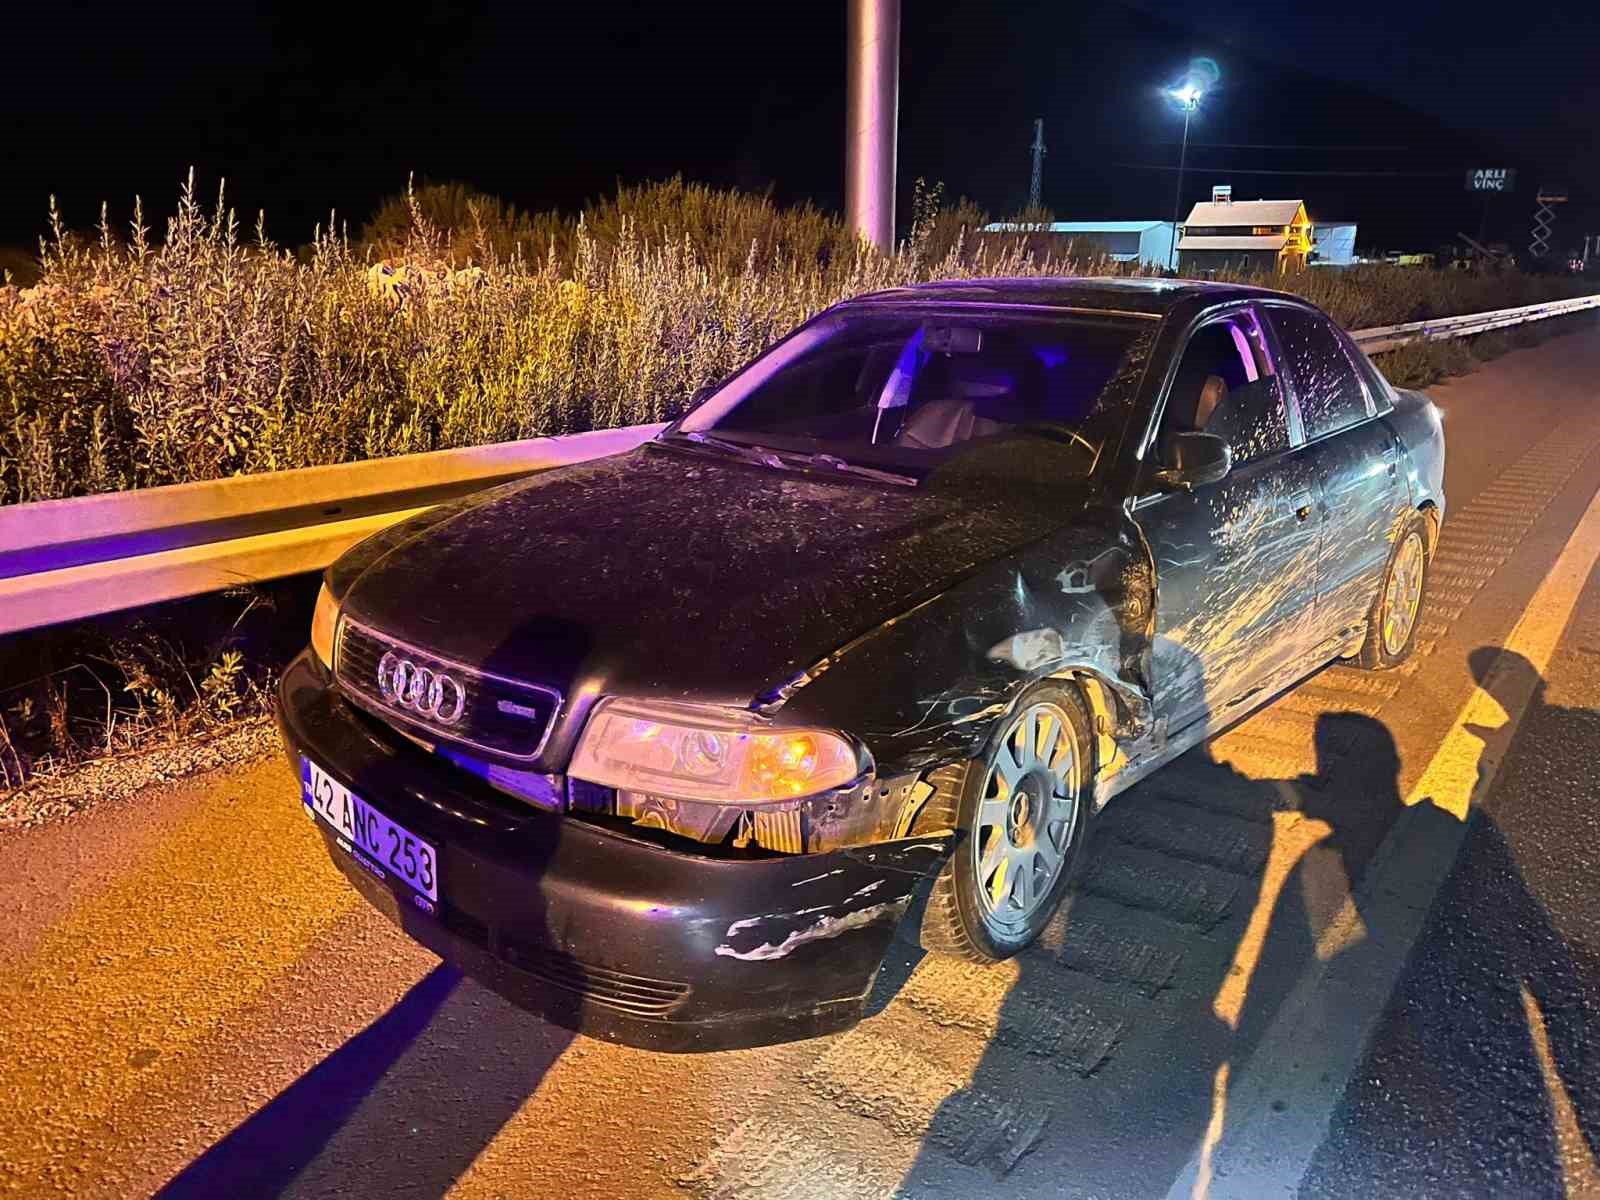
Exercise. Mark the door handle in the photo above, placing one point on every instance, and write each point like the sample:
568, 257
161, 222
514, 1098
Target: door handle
1303, 506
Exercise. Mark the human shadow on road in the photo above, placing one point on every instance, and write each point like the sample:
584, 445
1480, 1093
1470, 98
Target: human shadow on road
1485, 1074
1492, 1055
1042, 1100
1130, 1125
1355, 793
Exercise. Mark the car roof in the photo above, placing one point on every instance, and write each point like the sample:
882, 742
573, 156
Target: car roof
1145, 296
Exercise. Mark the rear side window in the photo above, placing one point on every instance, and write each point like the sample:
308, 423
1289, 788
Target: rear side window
1377, 385
1329, 390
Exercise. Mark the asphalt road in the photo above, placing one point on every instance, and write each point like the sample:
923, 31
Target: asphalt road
1484, 1074
1279, 968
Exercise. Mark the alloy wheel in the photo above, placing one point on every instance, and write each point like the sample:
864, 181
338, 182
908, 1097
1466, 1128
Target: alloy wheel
1403, 595
1027, 814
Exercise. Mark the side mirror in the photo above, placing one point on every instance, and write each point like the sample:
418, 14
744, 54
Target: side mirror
1193, 459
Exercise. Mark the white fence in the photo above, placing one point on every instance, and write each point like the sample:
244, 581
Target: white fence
62, 560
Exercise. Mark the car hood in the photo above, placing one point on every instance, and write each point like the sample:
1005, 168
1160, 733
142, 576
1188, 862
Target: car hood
677, 575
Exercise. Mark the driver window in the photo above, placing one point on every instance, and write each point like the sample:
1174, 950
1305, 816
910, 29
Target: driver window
1225, 385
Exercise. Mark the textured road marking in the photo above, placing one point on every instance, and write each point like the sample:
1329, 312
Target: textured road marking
1317, 698
1208, 786
1510, 506
1231, 843
1350, 679
1469, 568
1263, 758
1043, 1012
1275, 735
1117, 945
1278, 1113
875, 1076
1431, 627
1187, 892
1451, 601
762, 1159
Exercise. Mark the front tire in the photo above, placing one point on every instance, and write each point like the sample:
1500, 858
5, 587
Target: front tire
1024, 808
1397, 610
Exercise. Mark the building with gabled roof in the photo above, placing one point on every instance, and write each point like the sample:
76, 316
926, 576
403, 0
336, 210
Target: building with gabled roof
1263, 236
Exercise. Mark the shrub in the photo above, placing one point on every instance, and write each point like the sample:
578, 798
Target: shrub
1422, 364
128, 682
475, 226
208, 354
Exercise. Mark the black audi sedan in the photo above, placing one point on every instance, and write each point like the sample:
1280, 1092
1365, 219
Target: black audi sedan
666, 745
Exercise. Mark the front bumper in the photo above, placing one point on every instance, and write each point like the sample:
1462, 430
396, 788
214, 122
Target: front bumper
601, 932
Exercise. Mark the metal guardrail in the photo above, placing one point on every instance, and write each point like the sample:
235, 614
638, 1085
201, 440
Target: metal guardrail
1389, 337
63, 560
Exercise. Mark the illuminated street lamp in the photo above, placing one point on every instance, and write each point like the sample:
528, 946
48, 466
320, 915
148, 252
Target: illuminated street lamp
1188, 97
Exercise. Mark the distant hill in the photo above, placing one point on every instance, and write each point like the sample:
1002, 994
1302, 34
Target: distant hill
303, 110
1095, 70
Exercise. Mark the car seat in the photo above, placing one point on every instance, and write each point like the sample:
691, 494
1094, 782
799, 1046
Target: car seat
978, 401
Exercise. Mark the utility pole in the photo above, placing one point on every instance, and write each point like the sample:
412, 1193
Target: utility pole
1036, 186
872, 114
1189, 97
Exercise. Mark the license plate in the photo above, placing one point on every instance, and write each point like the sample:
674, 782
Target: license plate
380, 845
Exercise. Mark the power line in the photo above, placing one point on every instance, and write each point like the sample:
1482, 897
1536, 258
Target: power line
1263, 171
1271, 146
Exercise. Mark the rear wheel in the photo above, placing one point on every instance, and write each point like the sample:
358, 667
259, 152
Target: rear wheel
1024, 810
1396, 612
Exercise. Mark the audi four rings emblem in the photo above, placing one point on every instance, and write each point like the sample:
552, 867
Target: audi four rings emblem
422, 690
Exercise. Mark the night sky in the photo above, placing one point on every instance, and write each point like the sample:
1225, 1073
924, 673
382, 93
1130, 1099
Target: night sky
1372, 109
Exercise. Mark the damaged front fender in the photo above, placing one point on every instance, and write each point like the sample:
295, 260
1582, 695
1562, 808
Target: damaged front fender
927, 689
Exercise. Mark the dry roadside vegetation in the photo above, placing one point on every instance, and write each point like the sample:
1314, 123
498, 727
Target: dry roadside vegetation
204, 354
455, 320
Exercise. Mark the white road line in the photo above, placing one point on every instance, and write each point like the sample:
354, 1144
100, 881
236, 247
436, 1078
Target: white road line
1278, 1112
1580, 1173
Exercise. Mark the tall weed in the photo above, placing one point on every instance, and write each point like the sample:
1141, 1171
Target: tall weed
137, 361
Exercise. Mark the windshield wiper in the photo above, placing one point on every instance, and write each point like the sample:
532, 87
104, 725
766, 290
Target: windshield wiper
790, 459
754, 454
835, 463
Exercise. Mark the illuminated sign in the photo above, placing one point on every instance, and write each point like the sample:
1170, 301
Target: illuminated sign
1491, 179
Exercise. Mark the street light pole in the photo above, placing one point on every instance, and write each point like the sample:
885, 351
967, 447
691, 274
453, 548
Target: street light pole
1189, 98
872, 110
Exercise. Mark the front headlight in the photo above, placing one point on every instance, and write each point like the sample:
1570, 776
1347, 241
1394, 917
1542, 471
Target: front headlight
324, 625
688, 754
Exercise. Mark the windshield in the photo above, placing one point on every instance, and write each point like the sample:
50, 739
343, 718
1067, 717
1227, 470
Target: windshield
909, 390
